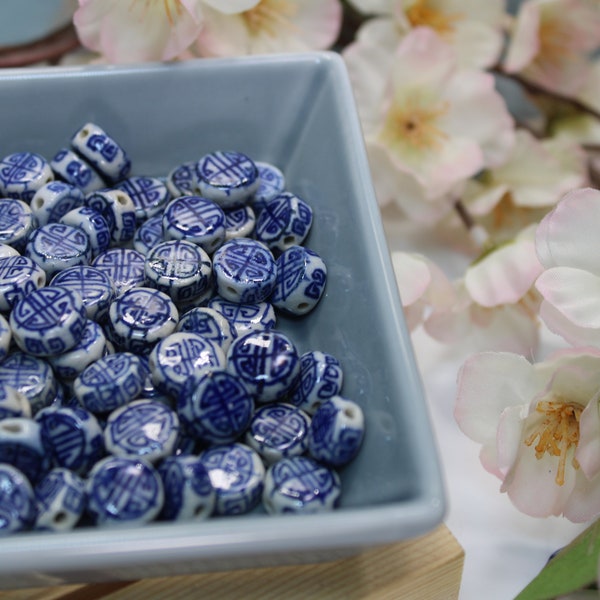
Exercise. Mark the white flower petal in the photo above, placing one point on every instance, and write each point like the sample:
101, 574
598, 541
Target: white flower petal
584, 501
230, 7
509, 437
559, 324
373, 7
477, 44
412, 275
588, 448
524, 41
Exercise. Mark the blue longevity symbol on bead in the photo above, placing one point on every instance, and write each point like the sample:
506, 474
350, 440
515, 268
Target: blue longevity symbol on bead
23, 173
194, 218
149, 195
148, 234
17, 504
124, 266
226, 168
15, 220
245, 316
19, 277
183, 179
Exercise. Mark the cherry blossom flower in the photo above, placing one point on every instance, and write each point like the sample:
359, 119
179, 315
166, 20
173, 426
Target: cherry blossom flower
270, 26
551, 42
471, 27
539, 428
567, 246
427, 123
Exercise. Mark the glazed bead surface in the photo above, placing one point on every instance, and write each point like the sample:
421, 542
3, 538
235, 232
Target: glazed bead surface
300, 485
182, 180
272, 183
148, 235
208, 323
75, 170
22, 174
19, 276
13, 403
6, 251
149, 194
124, 267
93, 224
118, 210
239, 222
55, 199
245, 317
17, 221
5, 338
17, 501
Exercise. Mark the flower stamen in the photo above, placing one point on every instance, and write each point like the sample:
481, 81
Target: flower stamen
421, 13
269, 16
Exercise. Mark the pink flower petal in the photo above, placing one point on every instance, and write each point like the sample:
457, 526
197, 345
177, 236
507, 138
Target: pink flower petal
588, 449
559, 324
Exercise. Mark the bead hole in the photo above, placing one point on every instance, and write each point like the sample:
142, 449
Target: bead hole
38, 202
11, 427
349, 412
84, 132
288, 239
122, 199
60, 517
302, 305
199, 509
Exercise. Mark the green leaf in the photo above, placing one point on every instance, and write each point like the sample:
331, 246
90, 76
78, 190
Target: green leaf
575, 567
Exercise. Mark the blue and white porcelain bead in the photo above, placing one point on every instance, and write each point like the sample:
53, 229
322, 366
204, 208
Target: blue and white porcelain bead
228, 178
142, 429
101, 150
6, 251
190, 494
336, 432
13, 403
56, 246
216, 406
17, 501
239, 222
124, 267
321, 377
196, 220
5, 338
22, 174
149, 194
110, 382
208, 323
181, 269
284, 221
19, 276
118, 210
21, 446
17, 221
141, 317
123, 492
267, 362
148, 235
31, 376
92, 284
150, 391
55, 199
199, 301
72, 437
93, 224
237, 474
70, 167
272, 183
182, 180
48, 321
300, 485
277, 431
180, 356
300, 282
91, 347
59, 500
244, 271
245, 317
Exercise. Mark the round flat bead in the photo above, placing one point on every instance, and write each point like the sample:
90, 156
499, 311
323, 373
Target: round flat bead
73, 169
56, 246
21, 446
17, 501
245, 317
228, 178
6, 250
101, 150
143, 429
149, 194
59, 500
140, 318
19, 276
199, 301
244, 271
178, 268
48, 321
300, 485
284, 221
210, 324
92, 284
196, 220
13, 403
336, 432
300, 282
237, 474
123, 491
216, 406
16, 222
278, 431
31, 376
124, 267
72, 437
22, 174
272, 183
93, 224
118, 210
266, 362
5, 338
239, 222
110, 382
321, 377
182, 180
148, 234
180, 356
191, 495
55, 199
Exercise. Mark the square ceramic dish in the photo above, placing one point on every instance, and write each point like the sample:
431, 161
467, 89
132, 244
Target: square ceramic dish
295, 111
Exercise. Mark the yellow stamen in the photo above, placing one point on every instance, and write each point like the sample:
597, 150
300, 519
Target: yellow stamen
171, 8
421, 13
269, 16
557, 433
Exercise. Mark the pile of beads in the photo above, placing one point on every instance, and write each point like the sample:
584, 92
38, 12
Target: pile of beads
142, 375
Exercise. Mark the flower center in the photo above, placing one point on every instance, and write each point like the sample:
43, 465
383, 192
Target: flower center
557, 433
269, 16
555, 41
421, 13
